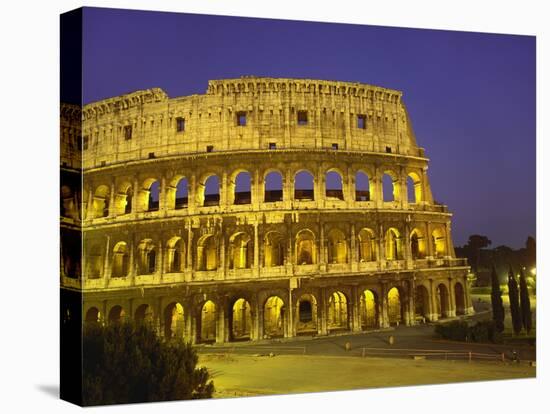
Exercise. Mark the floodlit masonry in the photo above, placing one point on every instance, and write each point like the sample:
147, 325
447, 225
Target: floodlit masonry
264, 208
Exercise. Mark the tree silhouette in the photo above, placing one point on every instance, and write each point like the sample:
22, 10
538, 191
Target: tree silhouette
525, 303
123, 363
496, 301
475, 243
514, 301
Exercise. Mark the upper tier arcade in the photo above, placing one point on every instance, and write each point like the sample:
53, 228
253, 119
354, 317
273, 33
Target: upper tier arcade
249, 114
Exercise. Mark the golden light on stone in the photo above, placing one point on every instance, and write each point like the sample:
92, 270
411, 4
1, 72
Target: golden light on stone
256, 210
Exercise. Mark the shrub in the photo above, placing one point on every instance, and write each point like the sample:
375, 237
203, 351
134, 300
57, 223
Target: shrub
124, 363
483, 331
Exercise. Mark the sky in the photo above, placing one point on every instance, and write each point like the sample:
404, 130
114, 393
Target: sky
470, 96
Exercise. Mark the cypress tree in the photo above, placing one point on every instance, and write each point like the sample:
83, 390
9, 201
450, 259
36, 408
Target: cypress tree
496, 301
525, 302
514, 301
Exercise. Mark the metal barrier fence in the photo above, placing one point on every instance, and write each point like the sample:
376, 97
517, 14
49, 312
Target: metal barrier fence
254, 349
445, 354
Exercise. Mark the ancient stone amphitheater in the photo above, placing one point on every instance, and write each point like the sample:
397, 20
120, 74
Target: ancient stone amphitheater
263, 208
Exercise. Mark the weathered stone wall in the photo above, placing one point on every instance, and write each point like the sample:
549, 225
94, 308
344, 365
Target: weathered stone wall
324, 246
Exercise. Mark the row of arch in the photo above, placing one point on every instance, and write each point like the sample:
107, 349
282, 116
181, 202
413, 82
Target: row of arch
102, 201
240, 316
274, 251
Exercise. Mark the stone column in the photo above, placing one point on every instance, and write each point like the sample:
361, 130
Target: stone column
221, 253
452, 300
192, 194
160, 259
136, 201
112, 201
353, 248
434, 316
90, 204
107, 262
383, 311
322, 314
290, 315
162, 195
355, 310
256, 272
220, 322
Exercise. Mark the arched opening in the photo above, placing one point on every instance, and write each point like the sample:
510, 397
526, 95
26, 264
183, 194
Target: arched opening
395, 315
241, 251
241, 187
116, 315
208, 322
127, 198
362, 186
120, 260
367, 246
390, 187
144, 315
154, 196
273, 187
305, 248
67, 203
175, 251
442, 300
337, 311
210, 191
274, 317
418, 244
422, 303
459, 299
174, 321
182, 194
93, 315
147, 258
207, 253
368, 308
303, 186
337, 247
393, 245
414, 188
274, 249
101, 202
307, 314
439, 242
95, 262
333, 184
241, 320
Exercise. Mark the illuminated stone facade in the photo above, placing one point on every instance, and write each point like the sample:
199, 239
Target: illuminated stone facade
254, 211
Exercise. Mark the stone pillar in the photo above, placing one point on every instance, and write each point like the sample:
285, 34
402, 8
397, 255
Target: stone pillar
107, 262
192, 194
406, 306
90, 205
353, 248
160, 258
256, 271
221, 253
189, 265
162, 196
224, 199
452, 300
322, 314
220, 323
434, 316
112, 201
355, 310
290, 315
136, 199
383, 311
288, 190
132, 260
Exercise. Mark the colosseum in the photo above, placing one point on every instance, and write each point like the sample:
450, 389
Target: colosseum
264, 208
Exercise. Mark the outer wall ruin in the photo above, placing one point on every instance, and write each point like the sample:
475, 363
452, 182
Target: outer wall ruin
264, 208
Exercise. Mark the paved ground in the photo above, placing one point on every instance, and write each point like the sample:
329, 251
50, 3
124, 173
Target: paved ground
243, 375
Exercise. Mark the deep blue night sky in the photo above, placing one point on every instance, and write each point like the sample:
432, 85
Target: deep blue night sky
471, 96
